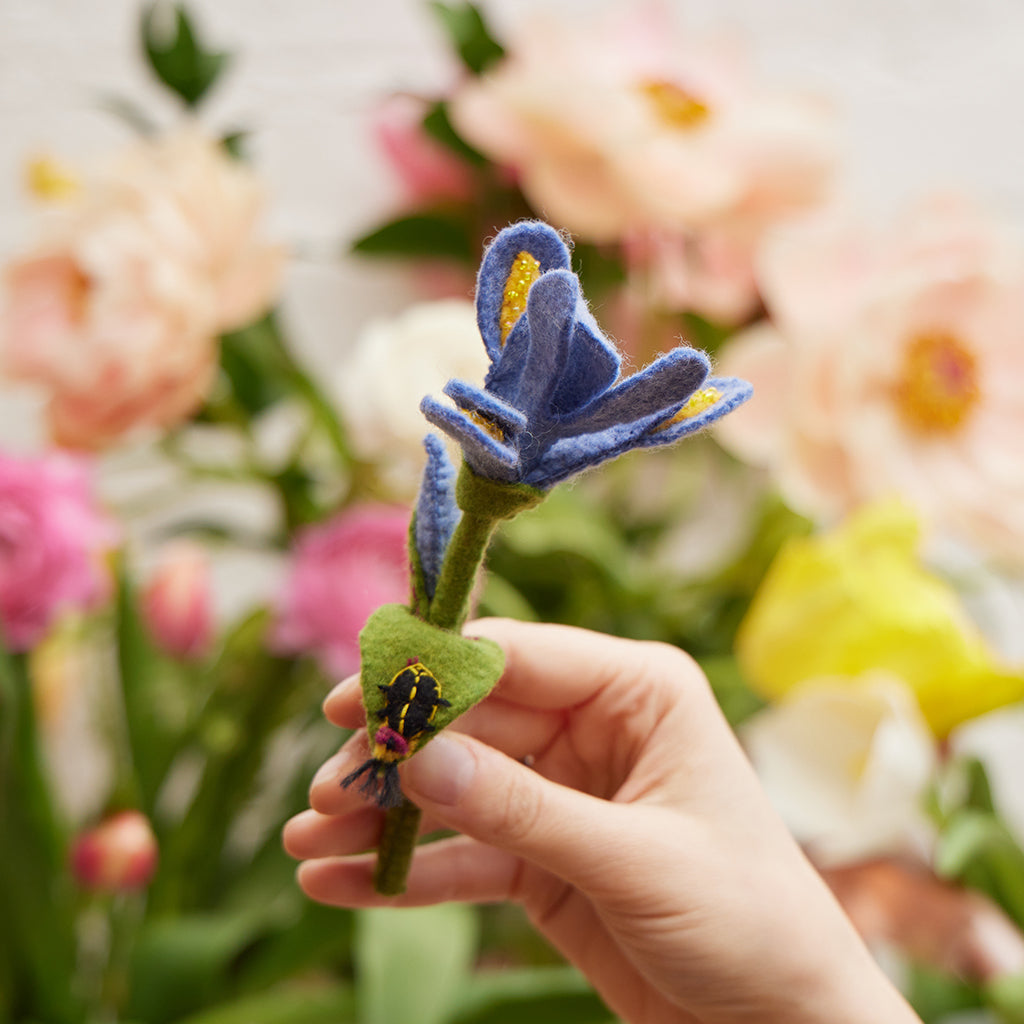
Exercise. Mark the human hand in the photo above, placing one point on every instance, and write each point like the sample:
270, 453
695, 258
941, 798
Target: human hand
638, 839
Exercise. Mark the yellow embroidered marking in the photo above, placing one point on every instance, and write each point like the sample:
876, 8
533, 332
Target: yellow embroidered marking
696, 404
676, 107
405, 708
485, 424
525, 270
50, 181
938, 384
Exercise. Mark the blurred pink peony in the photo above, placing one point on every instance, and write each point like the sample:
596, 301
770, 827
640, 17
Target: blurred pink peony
118, 855
894, 365
341, 571
620, 126
116, 314
429, 172
52, 536
177, 603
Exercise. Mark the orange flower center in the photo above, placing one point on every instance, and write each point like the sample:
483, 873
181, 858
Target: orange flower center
676, 107
525, 270
938, 383
486, 424
696, 404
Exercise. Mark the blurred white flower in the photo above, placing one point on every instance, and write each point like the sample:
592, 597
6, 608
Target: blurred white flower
846, 766
394, 363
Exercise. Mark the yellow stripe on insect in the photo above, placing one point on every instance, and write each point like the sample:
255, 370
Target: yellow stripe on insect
525, 270
697, 403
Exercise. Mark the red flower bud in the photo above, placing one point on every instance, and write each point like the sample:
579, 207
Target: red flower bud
118, 855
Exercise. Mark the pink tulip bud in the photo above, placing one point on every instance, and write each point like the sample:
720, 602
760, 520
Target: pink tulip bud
118, 855
176, 604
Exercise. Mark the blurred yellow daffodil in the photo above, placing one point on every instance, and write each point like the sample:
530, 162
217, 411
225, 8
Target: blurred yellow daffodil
859, 599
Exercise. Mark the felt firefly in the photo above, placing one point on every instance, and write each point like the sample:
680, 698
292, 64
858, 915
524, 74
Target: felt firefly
411, 701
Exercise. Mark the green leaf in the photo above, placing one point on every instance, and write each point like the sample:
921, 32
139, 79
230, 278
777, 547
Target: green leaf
251, 360
176, 56
935, 994
967, 837
1006, 996
737, 701
411, 964
421, 236
334, 1004
540, 995
179, 964
469, 35
438, 126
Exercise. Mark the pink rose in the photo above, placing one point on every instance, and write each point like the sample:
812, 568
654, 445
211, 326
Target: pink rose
341, 571
893, 365
115, 316
621, 124
52, 537
177, 602
429, 172
118, 855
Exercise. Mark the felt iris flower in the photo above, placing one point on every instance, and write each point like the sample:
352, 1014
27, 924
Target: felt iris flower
553, 402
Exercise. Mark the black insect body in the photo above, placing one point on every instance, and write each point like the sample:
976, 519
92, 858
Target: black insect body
411, 701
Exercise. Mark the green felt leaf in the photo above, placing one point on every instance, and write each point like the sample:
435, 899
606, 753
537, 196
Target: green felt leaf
177, 56
470, 35
466, 669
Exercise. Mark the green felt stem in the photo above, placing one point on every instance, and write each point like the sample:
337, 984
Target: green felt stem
484, 504
394, 854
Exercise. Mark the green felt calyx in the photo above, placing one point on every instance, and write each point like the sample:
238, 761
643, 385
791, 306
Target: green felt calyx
416, 679
493, 499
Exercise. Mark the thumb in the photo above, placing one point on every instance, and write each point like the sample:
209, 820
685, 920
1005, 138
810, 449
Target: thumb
483, 793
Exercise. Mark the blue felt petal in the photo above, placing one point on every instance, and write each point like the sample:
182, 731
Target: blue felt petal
667, 382
506, 372
542, 242
592, 367
734, 392
551, 312
437, 515
465, 396
486, 456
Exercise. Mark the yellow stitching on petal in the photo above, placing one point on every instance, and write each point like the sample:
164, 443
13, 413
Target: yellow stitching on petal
675, 106
525, 270
50, 181
697, 403
485, 424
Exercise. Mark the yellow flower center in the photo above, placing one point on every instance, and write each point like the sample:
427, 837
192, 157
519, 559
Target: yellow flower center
938, 383
696, 404
525, 270
676, 107
50, 181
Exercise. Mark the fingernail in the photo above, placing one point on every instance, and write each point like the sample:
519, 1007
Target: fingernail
442, 771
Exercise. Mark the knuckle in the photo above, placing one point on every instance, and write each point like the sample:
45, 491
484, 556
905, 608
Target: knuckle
676, 671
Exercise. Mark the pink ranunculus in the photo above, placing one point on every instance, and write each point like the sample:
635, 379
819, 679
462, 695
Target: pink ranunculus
428, 172
177, 602
621, 124
341, 571
893, 364
118, 855
52, 536
115, 314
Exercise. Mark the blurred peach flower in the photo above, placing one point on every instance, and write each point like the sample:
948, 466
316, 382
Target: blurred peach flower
341, 571
619, 126
52, 538
177, 603
893, 365
115, 314
118, 855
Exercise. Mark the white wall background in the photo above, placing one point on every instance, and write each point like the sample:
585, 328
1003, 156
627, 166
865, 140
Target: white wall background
928, 91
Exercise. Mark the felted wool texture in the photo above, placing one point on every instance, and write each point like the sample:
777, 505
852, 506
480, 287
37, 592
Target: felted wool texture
553, 404
436, 512
466, 669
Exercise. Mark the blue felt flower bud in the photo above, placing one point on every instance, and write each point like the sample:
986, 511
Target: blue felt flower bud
437, 515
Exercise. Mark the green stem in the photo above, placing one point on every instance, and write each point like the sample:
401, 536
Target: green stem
484, 503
